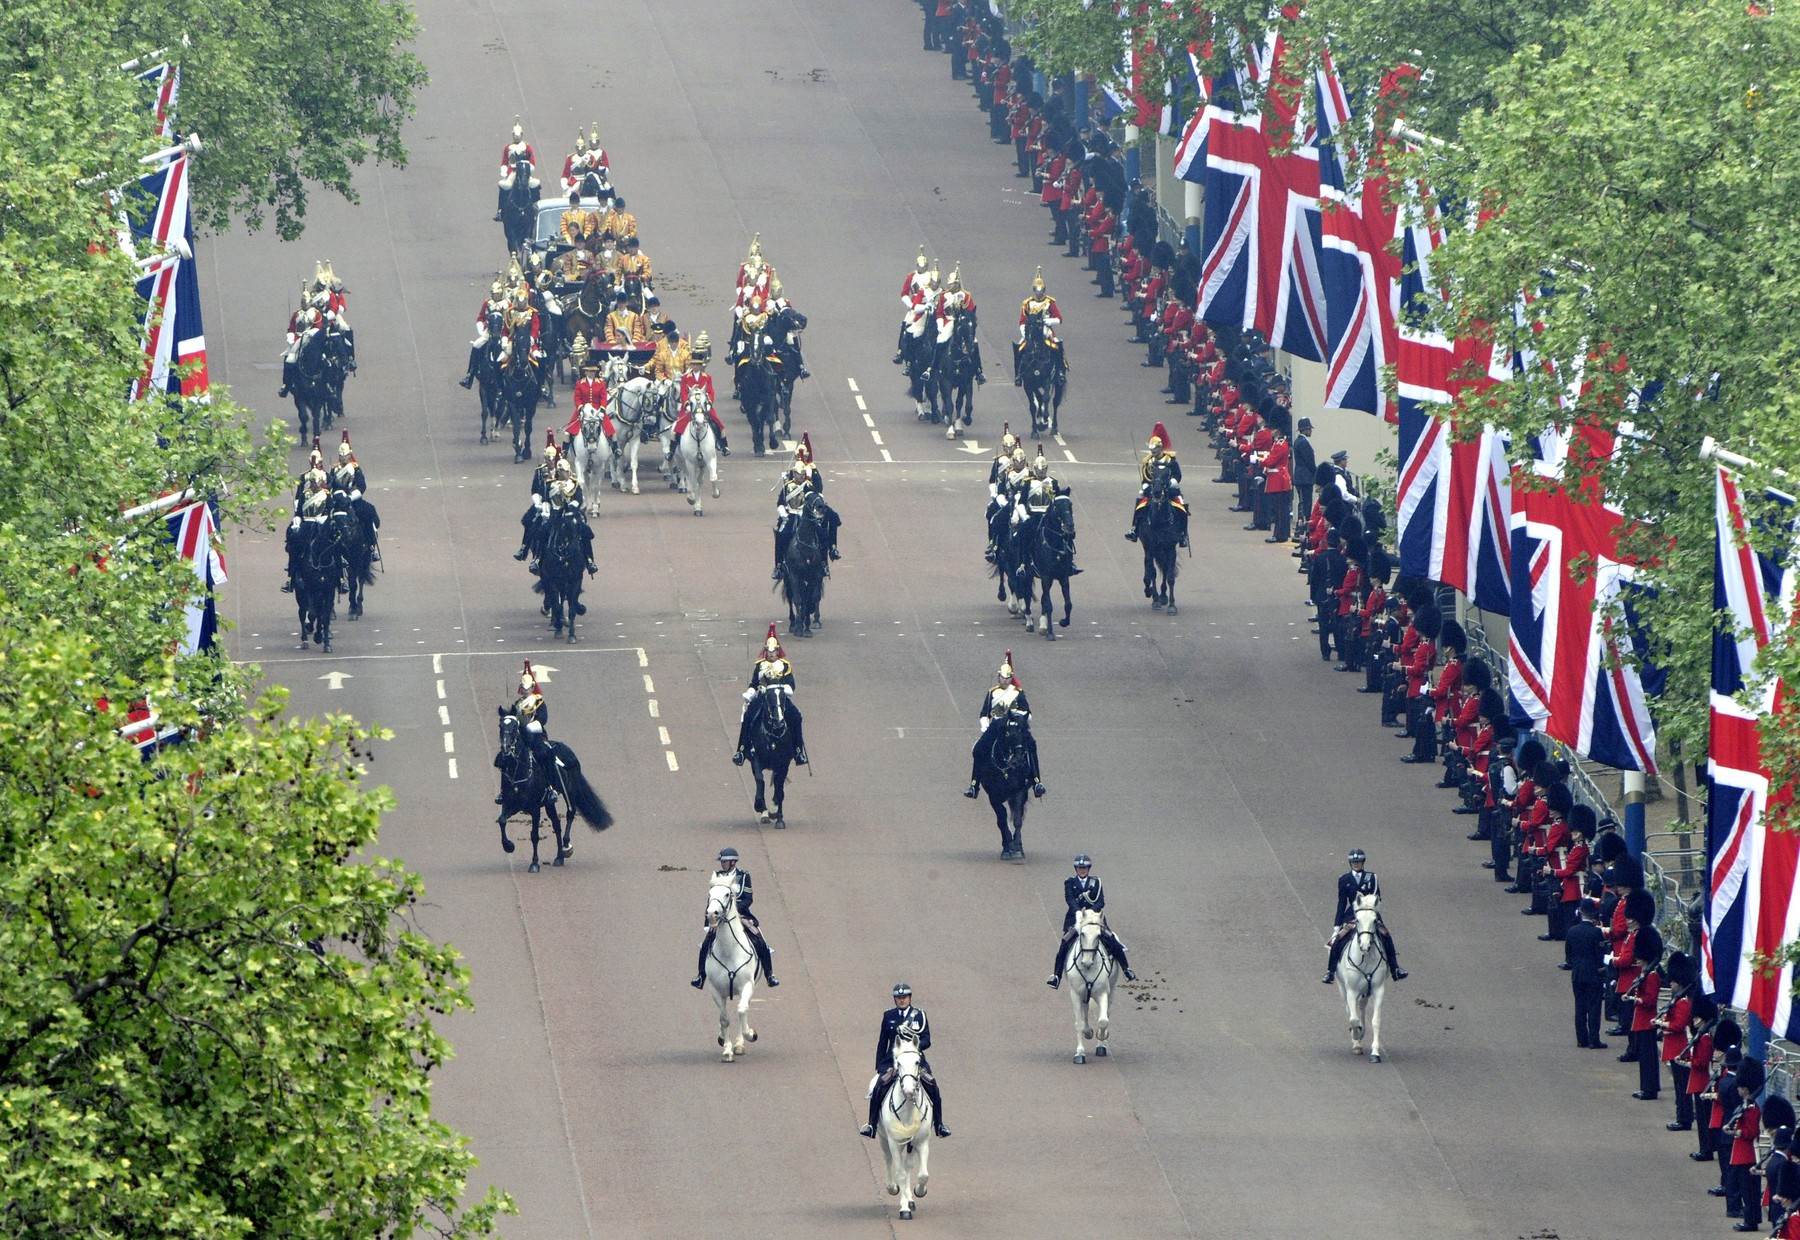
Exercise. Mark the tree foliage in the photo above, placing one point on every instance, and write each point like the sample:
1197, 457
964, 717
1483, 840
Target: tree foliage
288, 95
213, 1021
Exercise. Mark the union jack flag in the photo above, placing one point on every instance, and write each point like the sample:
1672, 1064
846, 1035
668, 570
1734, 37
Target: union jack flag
194, 530
1261, 238
174, 341
1568, 646
1753, 901
165, 81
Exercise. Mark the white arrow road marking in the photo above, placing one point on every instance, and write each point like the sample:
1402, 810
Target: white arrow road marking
971, 446
337, 679
542, 672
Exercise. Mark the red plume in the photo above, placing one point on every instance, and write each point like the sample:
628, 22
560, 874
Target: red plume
346, 436
315, 446
1159, 432
550, 437
806, 445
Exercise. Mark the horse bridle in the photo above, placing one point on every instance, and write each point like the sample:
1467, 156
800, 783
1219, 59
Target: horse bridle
727, 917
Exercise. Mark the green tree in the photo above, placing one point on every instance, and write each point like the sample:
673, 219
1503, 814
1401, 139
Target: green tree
288, 95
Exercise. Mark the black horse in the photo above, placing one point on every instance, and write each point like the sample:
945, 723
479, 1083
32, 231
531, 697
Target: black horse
518, 205
921, 383
318, 570
953, 376
529, 785
355, 539
489, 382
1160, 535
562, 558
771, 750
318, 387
521, 387
803, 565
1045, 381
758, 387
1006, 776
783, 328
1051, 560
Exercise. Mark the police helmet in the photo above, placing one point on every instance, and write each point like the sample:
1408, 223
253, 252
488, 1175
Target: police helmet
901, 988
1357, 854
1083, 861
728, 854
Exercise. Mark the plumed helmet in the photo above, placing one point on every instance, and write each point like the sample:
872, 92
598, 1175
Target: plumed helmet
1452, 637
1159, 436
518, 130
1008, 440
343, 451
1530, 754
772, 644
1560, 799
1640, 906
1037, 281
1610, 847
315, 478
1493, 708
1477, 674
1582, 818
1040, 465
1018, 456
901, 988
580, 143
594, 135
1648, 948
702, 345
924, 264
1751, 1077
955, 282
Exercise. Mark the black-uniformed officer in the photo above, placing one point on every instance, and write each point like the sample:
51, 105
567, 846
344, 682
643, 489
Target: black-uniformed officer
729, 871
903, 1014
771, 668
1360, 881
1006, 698
1083, 890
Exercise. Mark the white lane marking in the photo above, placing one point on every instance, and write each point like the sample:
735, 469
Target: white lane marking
887, 456
1060, 441
643, 657
868, 421
440, 689
852, 383
670, 755
649, 685
663, 735
861, 403
1071, 457
655, 710
444, 716
452, 768
437, 663
876, 436
449, 742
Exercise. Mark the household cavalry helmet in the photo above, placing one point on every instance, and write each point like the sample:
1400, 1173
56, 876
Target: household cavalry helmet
1037, 282
924, 264
702, 347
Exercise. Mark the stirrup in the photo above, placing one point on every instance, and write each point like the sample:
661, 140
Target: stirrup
973, 790
738, 758
698, 983
800, 758
867, 1130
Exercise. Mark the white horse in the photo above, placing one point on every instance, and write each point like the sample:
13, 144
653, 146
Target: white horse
697, 450
731, 969
905, 1127
592, 455
1362, 977
1088, 972
638, 406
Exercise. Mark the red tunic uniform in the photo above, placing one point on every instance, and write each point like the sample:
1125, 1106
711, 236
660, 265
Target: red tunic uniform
1675, 1040
590, 392
1570, 873
690, 384
1749, 1127
1645, 1010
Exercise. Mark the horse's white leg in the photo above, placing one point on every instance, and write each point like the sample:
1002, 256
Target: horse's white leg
1103, 1021
725, 1047
891, 1155
922, 1150
637, 442
712, 465
1375, 1020
1073, 982
907, 1160
1353, 1017
744, 1032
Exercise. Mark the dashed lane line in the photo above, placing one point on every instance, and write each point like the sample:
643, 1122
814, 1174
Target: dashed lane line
853, 386
862, 404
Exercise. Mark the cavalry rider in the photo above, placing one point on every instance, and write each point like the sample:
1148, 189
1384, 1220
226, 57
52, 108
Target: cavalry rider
512, 152
912, 292
1160, 463
1358, 882
730, 872
1042, 305
311, 494
1084, 891
694, 379
583, 160
802, 477
919, 316
328, 298
955, 302
1006, 698
787, 347
771, 668
493, 303
541, 477
903, 1015
300, 322
1037, 492
590, 392
347, 476
999, 470
534, 717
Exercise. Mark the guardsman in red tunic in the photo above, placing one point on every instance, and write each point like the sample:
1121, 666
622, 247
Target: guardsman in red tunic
697, 392
1100, 249
1673, 1026
1692, 1066
1278, 485
1743, 1188
590, 396
512, 152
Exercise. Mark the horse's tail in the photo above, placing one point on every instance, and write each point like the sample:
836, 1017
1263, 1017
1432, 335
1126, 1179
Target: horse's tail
586, 801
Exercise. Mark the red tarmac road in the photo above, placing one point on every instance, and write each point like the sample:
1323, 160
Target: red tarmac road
1216, 770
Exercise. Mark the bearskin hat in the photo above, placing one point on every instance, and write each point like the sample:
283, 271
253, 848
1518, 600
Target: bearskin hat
1640, 906
1477, 674
1647, 950
1451, 636
1560, 800
1544, 774
1751, 1076
1610, 847
1374, 519
1356, 548
1351, 525
1726, 1034
1493, 708
1680, 968
1626, 872
1530, 754
1704, 1008
1426, 619
1583, 819
1381, 565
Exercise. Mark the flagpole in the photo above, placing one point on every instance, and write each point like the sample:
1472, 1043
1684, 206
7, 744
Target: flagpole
161, 504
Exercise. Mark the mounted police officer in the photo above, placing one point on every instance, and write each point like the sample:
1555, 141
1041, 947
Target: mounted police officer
1079, 892
771, 668
903, 1015
1006, 699
1358, 882
1160, 465
730, 872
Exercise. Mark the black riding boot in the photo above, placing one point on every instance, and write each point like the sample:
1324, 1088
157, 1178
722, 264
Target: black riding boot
900, 346
287, 377
1331, 964
743, 744
468, 379
1110, 942
700, 968
499, 203
980, 372
765, 958
1137, 519
877, 1096
937, 1105
799, 726
1056, 966
1393, 960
